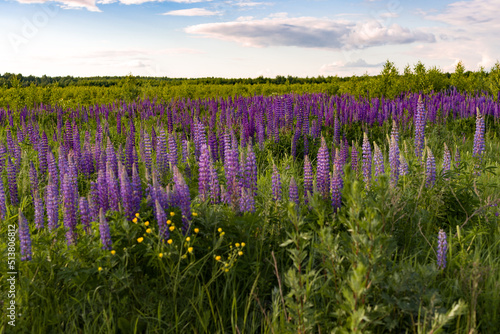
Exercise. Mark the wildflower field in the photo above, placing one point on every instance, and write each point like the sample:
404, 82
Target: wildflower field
309, 213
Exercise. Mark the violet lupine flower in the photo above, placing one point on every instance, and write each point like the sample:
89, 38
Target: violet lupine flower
430, 169
43, 147
24, 238
214, 185
276, 178
479, 145
251, 170
69, 206
84, 213
354, 158
3, 154
336, 131
147, 151
111, 157
293, 192
395, 132
212, 142
3, 204
204, 174
367, 160
127, 193
420, 118
442, 249
185, 150
172, 150
12, 179
161, 153
52, 204
336, 188
296, 136
102, 185
394, 160
403, 165
323, 170
247, 201
446, 159
306, 146
378, 159
308, 179
39, 217
113, 188
104, 231
184, 199
161, 218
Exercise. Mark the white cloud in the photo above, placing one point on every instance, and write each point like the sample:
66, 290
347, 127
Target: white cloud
68, 4
309, 32
337, 66
192, 12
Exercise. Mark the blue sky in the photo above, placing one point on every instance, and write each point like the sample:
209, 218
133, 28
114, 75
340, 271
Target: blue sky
244, 38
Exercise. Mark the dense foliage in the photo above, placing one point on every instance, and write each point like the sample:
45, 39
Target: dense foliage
290, 213
17, 90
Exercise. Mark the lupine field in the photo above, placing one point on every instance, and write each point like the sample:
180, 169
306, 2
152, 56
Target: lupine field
267, 214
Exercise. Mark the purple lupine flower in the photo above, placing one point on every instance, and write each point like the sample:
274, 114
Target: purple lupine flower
204, 174
43, 147
354, 158
12, 179
102, 185
212, 141
84, 214
3, 154
111, 157
323, 170
39, 217
430, 169
214, 185
185, 150
147, 151
52, 204
394, 160
367, 160
336, 188
69, 206
403, 165
24, 238
306, 146
395, 132
161, 218
251, 170
420, 119
184, 199
113, 188
308, 179
442, 249
276, 178
446, 159
104, 231
3, 204
127, 193
172, 150
161, 153
479, 145
129, 152
378, 160
293, 192
247, 201
336, 131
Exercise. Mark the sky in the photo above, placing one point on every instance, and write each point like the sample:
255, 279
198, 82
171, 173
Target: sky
244, 38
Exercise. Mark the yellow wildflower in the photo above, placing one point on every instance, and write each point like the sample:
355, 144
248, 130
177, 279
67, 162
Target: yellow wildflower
137, 215
146, 224
195, 214
219, 229
190, 249
169, 241
172, 214
242, 244
188, 239
139, 240
240, 253
148, 230
222, 233
113, 252
160, 255
237, 244
217, 258
134, 220
169, 222
196, 230
100, 268
171, 228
